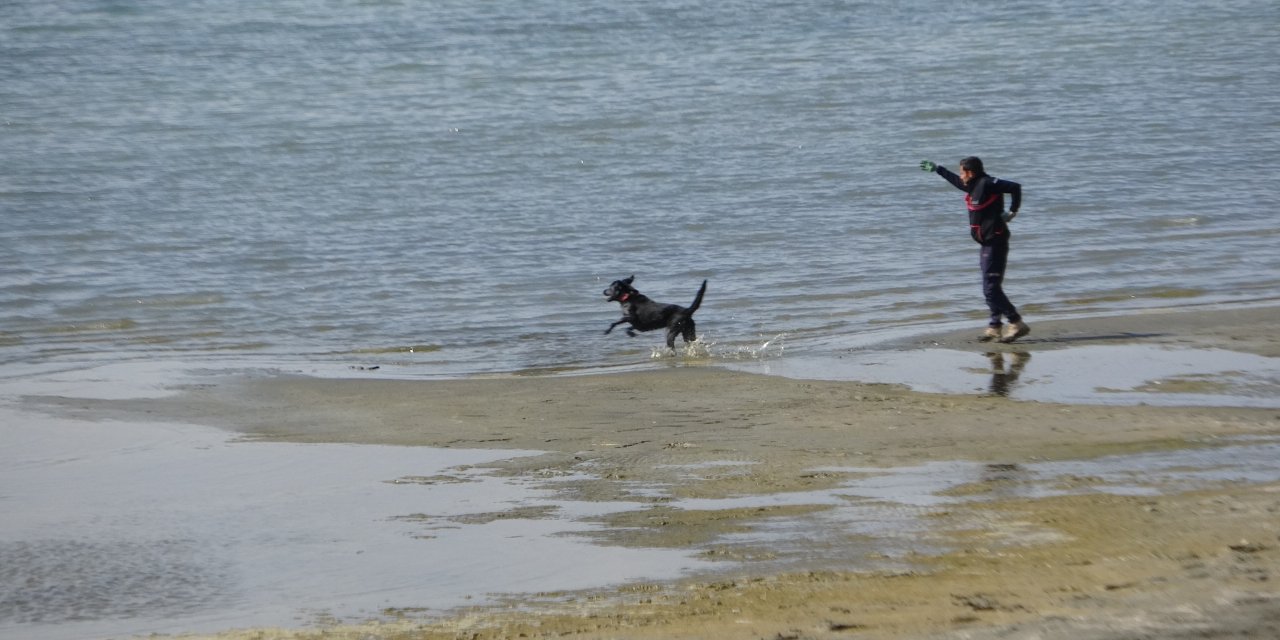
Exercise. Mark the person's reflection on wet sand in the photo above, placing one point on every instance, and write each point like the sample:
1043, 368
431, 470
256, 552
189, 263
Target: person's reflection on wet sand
1002, 381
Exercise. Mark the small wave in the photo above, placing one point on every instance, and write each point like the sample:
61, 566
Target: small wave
1184, 221
1174, 293
1167, 293
180, 300
123, 324
416, 348
940, 114
54, 28
408, 67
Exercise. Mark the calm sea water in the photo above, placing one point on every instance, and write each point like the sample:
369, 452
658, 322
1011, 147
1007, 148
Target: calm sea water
448, 186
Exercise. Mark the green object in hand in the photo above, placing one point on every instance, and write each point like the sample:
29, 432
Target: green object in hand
928, 166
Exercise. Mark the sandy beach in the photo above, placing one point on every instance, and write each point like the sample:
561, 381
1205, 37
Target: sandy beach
1174, 560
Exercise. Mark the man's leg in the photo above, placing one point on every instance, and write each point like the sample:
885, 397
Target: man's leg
993, 259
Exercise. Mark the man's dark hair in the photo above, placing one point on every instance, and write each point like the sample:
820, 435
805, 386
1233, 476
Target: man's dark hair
974, 164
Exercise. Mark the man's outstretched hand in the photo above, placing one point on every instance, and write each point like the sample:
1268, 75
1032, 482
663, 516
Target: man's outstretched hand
927, 166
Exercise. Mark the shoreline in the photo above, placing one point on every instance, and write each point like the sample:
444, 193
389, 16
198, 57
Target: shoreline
1085, 564
1237, 327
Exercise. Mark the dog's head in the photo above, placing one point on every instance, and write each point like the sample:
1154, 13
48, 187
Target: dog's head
620, 290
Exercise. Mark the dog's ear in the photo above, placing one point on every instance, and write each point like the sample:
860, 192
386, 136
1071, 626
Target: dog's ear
628, 281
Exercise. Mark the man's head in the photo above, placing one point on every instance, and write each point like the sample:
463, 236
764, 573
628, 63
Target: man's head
970, 168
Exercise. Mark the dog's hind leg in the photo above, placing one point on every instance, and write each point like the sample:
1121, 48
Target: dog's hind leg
689, 331
672, 332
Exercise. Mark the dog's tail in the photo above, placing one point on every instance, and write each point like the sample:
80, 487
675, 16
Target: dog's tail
697, 300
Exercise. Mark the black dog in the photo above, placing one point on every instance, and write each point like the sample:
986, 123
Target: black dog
646, 315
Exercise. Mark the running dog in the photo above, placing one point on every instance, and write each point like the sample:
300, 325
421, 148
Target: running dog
646, 315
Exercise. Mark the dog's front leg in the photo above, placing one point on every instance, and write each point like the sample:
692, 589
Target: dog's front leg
624, 320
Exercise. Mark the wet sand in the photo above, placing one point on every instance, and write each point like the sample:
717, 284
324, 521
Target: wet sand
1176, 562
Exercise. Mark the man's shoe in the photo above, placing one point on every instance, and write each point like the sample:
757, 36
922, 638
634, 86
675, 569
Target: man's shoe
1014, 330
992, 333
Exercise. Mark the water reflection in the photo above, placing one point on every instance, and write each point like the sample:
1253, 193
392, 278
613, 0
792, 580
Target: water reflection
1002, 379
880, 515
1151, 374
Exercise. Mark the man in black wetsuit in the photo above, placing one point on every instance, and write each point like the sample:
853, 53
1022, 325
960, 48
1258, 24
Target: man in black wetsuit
988, 224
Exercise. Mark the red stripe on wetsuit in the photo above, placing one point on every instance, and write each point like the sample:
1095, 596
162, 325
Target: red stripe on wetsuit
968, 202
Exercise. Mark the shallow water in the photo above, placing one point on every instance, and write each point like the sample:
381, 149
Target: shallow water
119, 529
1093, 374
880, 516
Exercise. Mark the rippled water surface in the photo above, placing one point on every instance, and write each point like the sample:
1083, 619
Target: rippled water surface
449, 185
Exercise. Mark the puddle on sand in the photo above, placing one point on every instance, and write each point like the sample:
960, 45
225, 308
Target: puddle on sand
883, 515
1100, 374
118, 529
1159, 473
